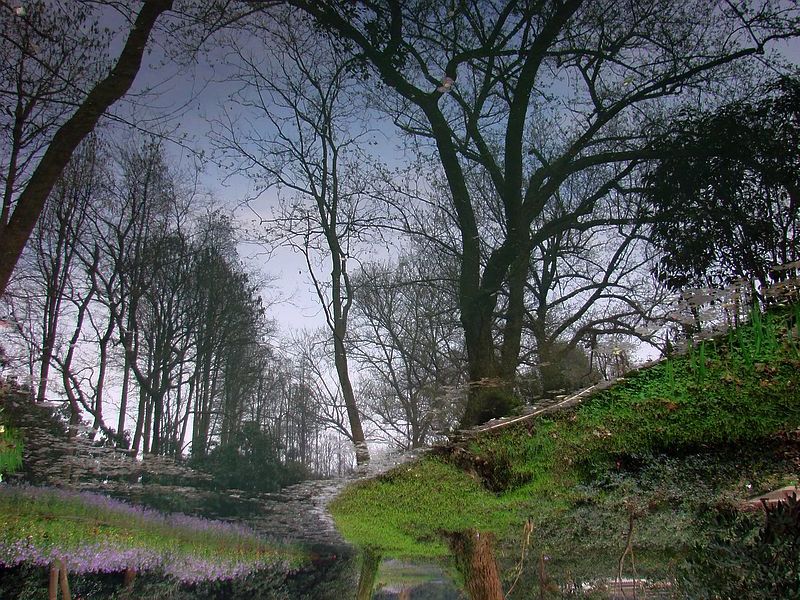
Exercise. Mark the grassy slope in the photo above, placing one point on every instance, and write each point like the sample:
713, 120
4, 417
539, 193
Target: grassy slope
667, 446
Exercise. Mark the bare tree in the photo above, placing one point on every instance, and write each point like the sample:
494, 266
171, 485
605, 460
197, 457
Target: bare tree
586, 284
139, 208
307, 142
51, 52
406, 339
467, 79
312, 352
57, 238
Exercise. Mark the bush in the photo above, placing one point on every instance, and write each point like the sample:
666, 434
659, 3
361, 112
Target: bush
251, 462
10, 450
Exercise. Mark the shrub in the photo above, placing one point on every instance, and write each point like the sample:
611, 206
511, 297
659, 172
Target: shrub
10, 450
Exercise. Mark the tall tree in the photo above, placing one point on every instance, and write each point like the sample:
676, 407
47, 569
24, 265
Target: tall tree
468, 78
139, 207
308, 143
406, 340
586, 285
51, 52
57, 238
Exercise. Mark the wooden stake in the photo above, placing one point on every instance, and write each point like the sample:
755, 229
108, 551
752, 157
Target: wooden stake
52, 588
64, 582
130, 575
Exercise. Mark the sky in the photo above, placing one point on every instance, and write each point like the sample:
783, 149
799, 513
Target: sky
181, 102
192, 97
184, 101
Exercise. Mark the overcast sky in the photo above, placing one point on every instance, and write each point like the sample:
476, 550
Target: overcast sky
182, 102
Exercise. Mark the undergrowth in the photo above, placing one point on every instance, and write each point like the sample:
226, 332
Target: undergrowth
10, 449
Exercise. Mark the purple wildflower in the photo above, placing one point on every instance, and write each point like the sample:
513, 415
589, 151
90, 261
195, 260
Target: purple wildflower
243, 552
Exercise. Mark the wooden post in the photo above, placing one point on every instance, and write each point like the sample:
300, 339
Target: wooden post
543, 580
475, 561
130, 575
369, 572
58, 578
64, 582
52, 588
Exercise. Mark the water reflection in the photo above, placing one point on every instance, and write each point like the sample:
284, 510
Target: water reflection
473, 572
473, 552
370, 562
402, 580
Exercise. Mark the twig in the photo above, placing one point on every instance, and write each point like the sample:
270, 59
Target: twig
628, 550
526, 532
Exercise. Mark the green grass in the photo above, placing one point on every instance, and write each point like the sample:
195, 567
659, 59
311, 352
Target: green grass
408, 575
411, 507
578, 475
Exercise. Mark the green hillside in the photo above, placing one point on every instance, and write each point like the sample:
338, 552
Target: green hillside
659, 458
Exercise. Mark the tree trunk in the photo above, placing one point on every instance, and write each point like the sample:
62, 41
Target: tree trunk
369, 573
14, 234
137, 434
75, 411
44, 372
52, 587
126, 377
359, 441
129, 577
101, 376
475, 561
515, 311
491, 377
50, 323
54, 281
185, 421
484, 398
338, 323
148, 424
550, 368
64, 582
58, 578
490, 394
158, 410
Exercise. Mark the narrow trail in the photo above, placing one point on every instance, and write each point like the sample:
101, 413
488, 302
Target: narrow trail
298, 513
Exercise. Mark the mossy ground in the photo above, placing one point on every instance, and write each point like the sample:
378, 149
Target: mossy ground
666, 449
10, 449
52, 516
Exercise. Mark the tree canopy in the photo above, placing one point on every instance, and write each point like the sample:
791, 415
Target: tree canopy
51, 53
530, 96
725, 197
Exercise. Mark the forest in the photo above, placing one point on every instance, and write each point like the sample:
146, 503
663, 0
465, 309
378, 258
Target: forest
482, 205
549, 206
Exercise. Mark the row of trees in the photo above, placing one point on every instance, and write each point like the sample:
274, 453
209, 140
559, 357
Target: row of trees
133, 295
544, 124
552, 150
531, 100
